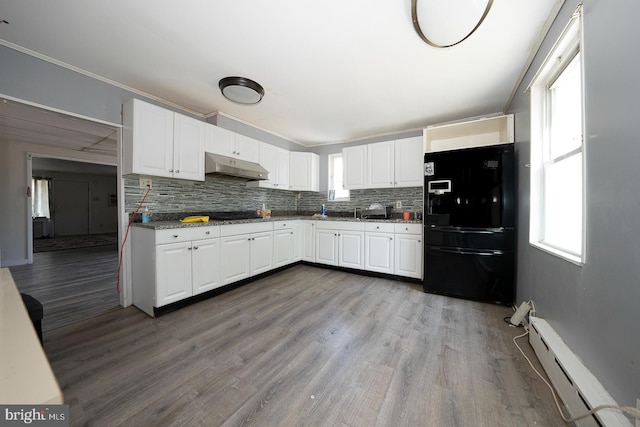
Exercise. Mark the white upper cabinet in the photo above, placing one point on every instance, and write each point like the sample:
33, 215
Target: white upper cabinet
276, 161
159, 142
188, 148
354, 164
387, 164
409, 161
247, 148
304, 171
380, 165
472, 133
227, 143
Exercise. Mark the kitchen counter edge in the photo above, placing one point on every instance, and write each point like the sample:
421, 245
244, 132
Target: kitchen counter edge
165, 225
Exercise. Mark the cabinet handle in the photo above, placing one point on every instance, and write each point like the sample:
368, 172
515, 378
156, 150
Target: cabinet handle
189, 248
419, 241
175, 236
177, 170
207, 232
377, 228
249, 239
292, 232
195, 247
238, 153
171, 170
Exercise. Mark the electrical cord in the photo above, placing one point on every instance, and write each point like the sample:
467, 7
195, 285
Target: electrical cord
625, 409
126, 234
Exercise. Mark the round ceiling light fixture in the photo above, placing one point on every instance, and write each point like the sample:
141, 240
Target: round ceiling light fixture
444, 24
241, 90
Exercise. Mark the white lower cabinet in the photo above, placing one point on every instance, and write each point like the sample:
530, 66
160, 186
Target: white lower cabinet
308, 239
340, 243
286, 245
379, 247
246, 250
171, 265
408, 250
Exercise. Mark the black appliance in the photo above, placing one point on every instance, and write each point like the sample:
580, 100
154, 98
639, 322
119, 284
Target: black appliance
469, 233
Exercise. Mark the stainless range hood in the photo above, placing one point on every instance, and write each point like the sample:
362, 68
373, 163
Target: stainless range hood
216, 164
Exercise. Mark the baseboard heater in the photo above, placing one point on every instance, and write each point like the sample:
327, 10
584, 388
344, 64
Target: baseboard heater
577, 387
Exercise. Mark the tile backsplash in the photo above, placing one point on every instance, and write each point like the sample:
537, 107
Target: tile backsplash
218, 194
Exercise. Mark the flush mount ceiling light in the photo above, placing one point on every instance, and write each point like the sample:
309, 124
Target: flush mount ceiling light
241, 90
444, 24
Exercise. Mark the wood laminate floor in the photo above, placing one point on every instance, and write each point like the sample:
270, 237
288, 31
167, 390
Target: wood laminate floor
72, 284
304, 347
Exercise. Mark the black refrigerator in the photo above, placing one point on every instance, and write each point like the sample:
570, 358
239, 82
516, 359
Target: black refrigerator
469, 223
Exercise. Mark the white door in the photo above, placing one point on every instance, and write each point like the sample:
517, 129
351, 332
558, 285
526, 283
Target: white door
409, 162
308, 241
379, 252
351, 250
261, 252
282, 169
235, 258
219, 140
269, 161
354, 164
408, 255
296, 241
188, 148
247, 148
282, 244
326, 247
380, 165
152, 140
71, 207
205, 265
173, 272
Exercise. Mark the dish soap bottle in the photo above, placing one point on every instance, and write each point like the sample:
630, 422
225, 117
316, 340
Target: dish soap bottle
323, 211
146, 216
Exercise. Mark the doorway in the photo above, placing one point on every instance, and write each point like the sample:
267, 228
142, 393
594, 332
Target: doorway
70, 207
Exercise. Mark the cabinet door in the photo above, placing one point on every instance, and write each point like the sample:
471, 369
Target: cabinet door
304, 171
235, 258
296, 241
408, 255
269, 161
354, 163
247, 148
205, 265
308, 241
261, 252
151, 141
220, 141
282, 169
173, 272
282, 247
409, 161
188, 148
351, 252
378, 252
326, 247
380, 165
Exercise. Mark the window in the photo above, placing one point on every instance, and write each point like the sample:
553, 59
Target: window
557, 154
336, 190
40, 200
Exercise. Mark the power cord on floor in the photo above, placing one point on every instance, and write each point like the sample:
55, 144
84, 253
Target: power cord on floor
625, 409
131, 218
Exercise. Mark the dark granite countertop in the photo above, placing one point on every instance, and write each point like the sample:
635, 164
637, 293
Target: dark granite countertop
169, 224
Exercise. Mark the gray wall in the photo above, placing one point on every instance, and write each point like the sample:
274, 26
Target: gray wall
595, 307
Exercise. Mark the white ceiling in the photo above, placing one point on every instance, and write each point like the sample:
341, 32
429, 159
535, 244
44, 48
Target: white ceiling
333, 70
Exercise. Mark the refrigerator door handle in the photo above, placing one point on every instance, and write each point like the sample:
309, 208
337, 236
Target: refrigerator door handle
461, 230
459, 251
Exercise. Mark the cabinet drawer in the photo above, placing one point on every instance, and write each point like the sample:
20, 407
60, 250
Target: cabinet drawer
236, 229
175, 235
340, 225
283, 225
379, 227
408, 228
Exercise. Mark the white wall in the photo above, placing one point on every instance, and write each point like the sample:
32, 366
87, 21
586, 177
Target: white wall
15, 211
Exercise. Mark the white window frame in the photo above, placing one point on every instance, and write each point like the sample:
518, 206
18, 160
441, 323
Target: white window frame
345, 197
568, 45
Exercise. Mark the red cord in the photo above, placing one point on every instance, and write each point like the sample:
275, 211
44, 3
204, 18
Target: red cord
131, 218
